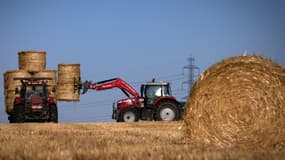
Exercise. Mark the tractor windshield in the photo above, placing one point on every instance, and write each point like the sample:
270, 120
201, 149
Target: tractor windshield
154, 91
35, 90
157, 90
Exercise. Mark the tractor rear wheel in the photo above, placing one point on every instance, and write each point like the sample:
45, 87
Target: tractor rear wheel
167, 111
18, 115
128, 115
53, 114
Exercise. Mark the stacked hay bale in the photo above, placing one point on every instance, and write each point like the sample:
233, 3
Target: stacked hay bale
32, 64
51, 83
10, 85
32, 61
239, 102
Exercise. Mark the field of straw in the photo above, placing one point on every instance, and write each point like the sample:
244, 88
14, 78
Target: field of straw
144, 140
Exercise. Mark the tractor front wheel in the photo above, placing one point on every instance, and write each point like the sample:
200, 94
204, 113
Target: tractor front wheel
128, 115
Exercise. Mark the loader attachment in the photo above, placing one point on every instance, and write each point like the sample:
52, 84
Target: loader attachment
78, 85
85, 86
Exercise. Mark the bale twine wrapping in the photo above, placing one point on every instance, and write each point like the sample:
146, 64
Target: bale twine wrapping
10, 85
68, 74
32, 61
51, 83
239, 102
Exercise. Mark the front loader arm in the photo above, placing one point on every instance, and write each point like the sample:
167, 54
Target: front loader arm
109, 84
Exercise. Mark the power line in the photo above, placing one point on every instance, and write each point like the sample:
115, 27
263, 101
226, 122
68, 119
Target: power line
92, 118
165, 78
176, 79
98, 102
170, 76
90, 105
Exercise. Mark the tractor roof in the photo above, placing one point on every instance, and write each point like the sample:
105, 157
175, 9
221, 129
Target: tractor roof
157, 83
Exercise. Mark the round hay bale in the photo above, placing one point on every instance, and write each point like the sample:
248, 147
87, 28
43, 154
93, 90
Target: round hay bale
68, 74
32, 61
66, 92
10, 85
238, 102
51, 83
9, 100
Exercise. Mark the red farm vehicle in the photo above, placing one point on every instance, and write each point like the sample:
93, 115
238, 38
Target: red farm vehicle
154, 103
34, 103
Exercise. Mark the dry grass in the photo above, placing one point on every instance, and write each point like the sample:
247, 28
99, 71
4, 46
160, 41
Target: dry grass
146, 140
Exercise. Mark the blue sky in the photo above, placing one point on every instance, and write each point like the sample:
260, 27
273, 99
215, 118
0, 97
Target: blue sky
136, 40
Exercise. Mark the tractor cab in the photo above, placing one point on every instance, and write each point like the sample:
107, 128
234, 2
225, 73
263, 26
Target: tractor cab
154, 90
29, 90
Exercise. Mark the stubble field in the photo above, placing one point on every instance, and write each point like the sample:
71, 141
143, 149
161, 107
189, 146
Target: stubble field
141, 141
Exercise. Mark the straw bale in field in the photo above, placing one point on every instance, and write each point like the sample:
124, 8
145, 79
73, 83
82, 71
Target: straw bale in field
239, 102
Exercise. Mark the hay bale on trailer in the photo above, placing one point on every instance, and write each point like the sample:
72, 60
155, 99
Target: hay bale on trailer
10, 86
239, 102
32, 61
51, 83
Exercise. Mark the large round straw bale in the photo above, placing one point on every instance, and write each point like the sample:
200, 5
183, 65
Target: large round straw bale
68, 75
10, 86
51, 83
10, 83
32, 61
9, 100
239, 102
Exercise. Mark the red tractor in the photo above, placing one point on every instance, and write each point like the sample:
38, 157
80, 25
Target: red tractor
34, 103
155, 102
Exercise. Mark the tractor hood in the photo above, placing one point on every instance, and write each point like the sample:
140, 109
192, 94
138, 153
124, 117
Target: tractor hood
36, 101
